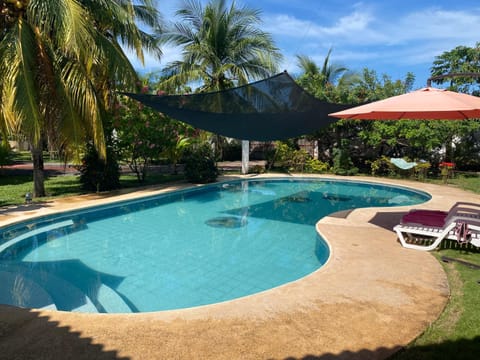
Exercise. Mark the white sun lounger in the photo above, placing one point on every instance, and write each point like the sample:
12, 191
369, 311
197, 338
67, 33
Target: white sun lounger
438, 218
438, 234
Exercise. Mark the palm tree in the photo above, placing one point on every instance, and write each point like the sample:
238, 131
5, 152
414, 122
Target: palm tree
329, 74
222, 46
59, 61
328, 82
307, 65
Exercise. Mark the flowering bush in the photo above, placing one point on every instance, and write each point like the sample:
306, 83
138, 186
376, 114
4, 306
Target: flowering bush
144, 135
446, 168
447, 165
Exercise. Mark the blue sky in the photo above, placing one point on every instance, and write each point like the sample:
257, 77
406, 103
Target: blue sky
390, 37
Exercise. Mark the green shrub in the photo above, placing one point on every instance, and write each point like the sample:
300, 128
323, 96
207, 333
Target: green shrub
256, 169
342, 163
270, 157
384, 167
299, 161
381, 167
421, 170
282, 155
200, 166
97, 174
316, 166
6, 155
291, 159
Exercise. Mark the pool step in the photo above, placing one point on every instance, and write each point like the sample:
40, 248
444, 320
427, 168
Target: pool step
34, 232
67, 296
111, 301
19, 290
25, 287
64, 295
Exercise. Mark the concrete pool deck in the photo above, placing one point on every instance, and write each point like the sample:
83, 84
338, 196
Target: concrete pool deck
371, 298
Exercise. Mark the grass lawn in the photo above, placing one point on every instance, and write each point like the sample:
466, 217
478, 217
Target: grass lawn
470, 182
14, 188
26, 156
456, 333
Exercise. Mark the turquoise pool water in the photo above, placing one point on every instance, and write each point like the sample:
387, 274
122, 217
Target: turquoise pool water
182, 249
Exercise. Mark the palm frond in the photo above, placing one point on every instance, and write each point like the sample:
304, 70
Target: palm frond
115, 64
82, 97
66, 23
119, 20
21, 84
307, 65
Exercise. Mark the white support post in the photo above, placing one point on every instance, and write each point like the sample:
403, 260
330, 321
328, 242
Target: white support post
245, 156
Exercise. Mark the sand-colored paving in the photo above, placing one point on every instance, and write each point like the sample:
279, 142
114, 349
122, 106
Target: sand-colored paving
369, 300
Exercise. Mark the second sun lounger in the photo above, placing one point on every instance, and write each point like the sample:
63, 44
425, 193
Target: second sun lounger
463, 230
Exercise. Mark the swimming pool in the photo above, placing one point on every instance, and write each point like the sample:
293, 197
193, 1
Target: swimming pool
186, 248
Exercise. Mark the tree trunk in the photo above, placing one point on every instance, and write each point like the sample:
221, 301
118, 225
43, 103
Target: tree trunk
38, 175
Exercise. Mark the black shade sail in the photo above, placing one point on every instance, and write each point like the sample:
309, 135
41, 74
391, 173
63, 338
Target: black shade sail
272, 109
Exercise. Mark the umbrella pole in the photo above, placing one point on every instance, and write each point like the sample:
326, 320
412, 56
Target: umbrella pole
245, 156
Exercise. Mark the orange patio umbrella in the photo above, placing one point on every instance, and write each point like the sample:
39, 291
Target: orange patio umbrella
425, 104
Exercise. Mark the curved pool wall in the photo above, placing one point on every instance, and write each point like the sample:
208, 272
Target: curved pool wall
30, 282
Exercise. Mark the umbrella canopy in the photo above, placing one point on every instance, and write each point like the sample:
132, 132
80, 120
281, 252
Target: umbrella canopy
426, 104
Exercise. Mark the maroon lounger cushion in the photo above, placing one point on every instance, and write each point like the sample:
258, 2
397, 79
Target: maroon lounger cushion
434, 218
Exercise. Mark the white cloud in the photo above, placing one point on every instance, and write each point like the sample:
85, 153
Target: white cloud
284, 25
437, 24
351, 28
355, 22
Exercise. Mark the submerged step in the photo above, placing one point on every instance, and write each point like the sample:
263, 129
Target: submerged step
19, 290
67, 296
64, 295
34, 232
111, 301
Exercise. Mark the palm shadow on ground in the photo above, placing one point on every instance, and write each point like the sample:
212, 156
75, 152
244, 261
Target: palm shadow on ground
460, 349
27, 334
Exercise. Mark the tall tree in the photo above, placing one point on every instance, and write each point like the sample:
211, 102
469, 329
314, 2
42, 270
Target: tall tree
366, 138
222, 46
58, 62
460, 69
460, 60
